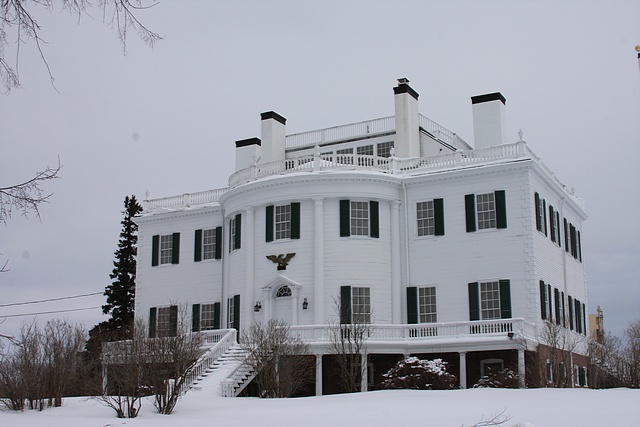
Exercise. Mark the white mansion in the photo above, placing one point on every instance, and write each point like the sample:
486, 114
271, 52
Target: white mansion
447, 250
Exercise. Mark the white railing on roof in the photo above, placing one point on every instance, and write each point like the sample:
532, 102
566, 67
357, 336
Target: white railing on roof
337, 133
426, 331
442, 133
185, 200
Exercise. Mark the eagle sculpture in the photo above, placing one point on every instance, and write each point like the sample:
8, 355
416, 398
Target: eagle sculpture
282, 260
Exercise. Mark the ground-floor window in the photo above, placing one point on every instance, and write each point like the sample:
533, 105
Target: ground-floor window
491, 366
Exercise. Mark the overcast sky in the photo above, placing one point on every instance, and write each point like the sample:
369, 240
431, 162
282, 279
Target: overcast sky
165, 120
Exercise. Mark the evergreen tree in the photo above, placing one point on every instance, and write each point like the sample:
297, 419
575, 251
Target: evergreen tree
121, 292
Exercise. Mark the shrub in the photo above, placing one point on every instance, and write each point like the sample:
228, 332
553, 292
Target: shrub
419, 374
504, 378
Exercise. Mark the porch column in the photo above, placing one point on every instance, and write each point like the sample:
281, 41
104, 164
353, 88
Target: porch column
396, 286
295, 292
521, 369
364, 368
318, 261
463, 369
318, 374
249, 285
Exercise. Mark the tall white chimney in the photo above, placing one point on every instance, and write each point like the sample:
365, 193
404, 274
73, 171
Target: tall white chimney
273, 137
407, 143
247, 152
489, 120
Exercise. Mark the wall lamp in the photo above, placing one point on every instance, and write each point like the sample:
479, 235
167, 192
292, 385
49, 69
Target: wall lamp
305, 304
257, 307
510, 335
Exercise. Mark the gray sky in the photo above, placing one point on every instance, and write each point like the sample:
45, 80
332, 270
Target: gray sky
165, 120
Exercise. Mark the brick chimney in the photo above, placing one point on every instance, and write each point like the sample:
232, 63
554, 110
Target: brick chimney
407, 143
273, 137
489, 120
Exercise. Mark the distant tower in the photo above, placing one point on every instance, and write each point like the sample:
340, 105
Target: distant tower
638, 50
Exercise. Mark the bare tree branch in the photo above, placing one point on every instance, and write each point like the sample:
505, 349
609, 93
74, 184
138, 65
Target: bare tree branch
26, 197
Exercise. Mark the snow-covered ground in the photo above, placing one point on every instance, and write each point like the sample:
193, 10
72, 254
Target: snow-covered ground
526, 408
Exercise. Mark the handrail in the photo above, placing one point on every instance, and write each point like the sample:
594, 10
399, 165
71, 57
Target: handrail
242, 374
337, 133
224, 340
185, 200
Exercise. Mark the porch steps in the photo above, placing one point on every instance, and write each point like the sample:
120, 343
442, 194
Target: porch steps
230, 359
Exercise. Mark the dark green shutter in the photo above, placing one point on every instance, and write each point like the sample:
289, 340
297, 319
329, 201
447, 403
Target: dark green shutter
578, 316
216, 315
175, 249
549, 302
197, 248
544, 211
574, 241
345, 305
269, 224
501, 209
218, 242
374, 219
584, 319
556, 297
552, 219
173, 321
345, 216
412, 305
558, 238
570, 304
543, 300
579, 246
505, 299
474, 301
438, 216
238, 239
564, 313
536, 201
152, 322
195, 318
566, 235
155, 250
470, 211
236, 313
295, 220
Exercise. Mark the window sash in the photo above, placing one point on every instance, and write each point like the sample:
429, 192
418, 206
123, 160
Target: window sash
207, 317
486, 211
359, 218
230, 313
360, 305
490, 300
163, 323
427, 305
383, 149
209, 244
282, 219
426, 218
166, 249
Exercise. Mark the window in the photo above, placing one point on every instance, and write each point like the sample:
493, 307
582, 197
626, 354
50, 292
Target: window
486, 210
366, 150
235, 225
384, 149
361, 305
205, 317
282, 222
165, 249
489, 366
233, 312
490, 300
541, 213
355, 304
359, 218
208, 244
163, 321
344, 156
284, 291
554, 225
427, 305
430, 216
544, 298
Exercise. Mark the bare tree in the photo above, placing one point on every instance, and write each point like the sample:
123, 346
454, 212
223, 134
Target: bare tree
561, 343
632, 353
281, 360
18, 23
605, 357
347, 342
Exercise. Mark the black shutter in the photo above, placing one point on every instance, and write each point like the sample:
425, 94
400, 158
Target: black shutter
152, 322
536, 198
345, 305
584, 319
155, 250
218, 242
552, 219
175, 249
564, 313
216, 315
197, 248
412, 305
345, 216
558, 239
566, 236
195, 318
544, 210
474, 301
578, 316
173, 321
579, 246
295, 220
550, 300
269, 224
374, 219
543, 300
570, 304
470, 211
501, 209
438, 216
556, 296
238, 239
505, 299
236, 313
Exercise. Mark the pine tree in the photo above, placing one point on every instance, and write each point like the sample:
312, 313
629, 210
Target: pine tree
121, 292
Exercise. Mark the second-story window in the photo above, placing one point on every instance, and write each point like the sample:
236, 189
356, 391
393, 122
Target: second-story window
283, 221
359, 218
165, 249
486, 210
